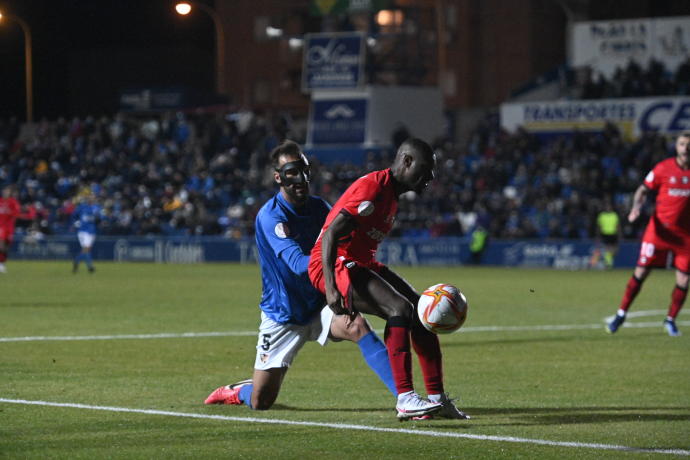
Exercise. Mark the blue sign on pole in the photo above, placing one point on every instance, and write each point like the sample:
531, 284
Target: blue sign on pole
333, 61
338, 121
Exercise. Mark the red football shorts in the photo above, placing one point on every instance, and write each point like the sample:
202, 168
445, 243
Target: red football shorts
343, 269
658, 242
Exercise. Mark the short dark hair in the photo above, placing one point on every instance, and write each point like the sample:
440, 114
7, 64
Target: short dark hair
417, 145
684, 134
287, 147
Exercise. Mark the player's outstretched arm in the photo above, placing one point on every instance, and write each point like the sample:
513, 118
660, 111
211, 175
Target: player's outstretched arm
340, 227
638, 200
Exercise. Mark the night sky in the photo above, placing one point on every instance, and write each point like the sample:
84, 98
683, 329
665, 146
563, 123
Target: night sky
85, 51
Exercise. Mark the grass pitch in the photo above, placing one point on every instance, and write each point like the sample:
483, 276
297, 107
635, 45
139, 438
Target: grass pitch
532, 365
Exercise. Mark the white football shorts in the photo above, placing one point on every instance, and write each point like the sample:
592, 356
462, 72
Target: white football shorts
86, 239
278, 344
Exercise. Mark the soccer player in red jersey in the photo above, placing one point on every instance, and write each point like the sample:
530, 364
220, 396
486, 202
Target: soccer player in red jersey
344, 268
9, 211
668, 232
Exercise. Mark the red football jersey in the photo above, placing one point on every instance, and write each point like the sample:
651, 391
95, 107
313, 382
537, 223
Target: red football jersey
372, 202
9, 210
672, 184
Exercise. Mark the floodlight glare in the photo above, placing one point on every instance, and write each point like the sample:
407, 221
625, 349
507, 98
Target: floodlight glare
295, 43
274, 32
388, 18
183, 8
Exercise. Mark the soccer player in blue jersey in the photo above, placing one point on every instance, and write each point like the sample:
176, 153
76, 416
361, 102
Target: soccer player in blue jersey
85, 217
292, 310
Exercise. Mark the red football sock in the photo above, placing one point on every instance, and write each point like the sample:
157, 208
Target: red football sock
631, 290
397, 338
428, 350
677, 299
3, 257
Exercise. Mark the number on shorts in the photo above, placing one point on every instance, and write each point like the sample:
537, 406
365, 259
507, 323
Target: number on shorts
647, 249
266, 342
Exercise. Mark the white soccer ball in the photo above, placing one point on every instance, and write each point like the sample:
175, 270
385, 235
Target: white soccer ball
442, 308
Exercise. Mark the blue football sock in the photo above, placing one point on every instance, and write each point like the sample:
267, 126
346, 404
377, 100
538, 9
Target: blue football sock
376, 356
246, 395
89, 260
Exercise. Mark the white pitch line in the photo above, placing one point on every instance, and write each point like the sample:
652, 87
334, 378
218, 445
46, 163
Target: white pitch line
183, 335
171, 335
563, 327
341, 426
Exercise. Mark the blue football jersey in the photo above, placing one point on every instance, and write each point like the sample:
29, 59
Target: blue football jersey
284, 238
85, 216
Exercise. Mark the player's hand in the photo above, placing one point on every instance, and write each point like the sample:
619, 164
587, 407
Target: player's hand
634, 214
336, 302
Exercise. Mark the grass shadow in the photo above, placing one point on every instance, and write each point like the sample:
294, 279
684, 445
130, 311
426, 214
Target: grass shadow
576, 415
527, 416
286, 407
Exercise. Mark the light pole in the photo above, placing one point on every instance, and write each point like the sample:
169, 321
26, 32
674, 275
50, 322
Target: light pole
184, 8
28, 64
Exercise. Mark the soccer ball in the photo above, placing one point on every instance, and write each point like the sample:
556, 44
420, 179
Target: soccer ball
442, 308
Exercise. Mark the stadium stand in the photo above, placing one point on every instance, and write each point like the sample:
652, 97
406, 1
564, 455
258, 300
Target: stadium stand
634, 80
207, 174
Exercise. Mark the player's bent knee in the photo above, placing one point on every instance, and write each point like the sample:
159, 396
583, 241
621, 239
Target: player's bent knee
262, 405
266, 386
263, 400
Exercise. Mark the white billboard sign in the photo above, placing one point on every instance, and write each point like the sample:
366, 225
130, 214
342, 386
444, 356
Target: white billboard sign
606, 45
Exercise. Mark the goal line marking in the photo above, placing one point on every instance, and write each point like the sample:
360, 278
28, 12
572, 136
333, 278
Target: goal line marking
341, 426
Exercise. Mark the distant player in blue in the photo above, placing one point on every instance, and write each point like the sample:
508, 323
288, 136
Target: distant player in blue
85, 218
292, 310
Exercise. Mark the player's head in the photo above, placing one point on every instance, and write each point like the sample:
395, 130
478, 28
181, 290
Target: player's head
683, 148
291, 171
414, 165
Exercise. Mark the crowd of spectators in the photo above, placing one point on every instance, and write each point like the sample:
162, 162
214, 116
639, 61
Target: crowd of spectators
634, 80
517, 186
196, 174
172, 174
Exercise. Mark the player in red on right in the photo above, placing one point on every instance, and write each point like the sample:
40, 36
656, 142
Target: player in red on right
668, 231
343, 266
